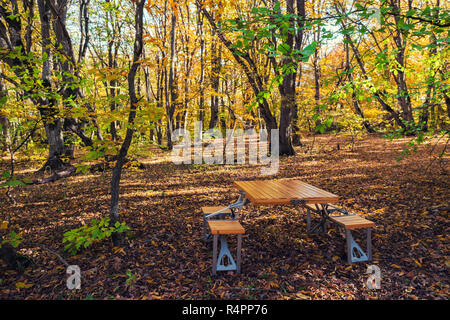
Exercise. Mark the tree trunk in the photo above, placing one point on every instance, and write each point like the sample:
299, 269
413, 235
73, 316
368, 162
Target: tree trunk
4, 122
287, 87
286, 147
52, 122
403, 97
215, 70
316, 68
171, 97
426, 105
201, 106
4, 140
117, 171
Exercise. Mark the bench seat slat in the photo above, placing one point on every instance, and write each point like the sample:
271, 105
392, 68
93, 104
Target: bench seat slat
352, 222
209, 210
225, 227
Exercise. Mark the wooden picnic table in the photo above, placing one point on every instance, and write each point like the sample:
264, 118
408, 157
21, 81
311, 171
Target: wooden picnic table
279, 192
298, 193
286, 191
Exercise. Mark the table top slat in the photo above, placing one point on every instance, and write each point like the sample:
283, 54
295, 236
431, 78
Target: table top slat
255, 190
271, 192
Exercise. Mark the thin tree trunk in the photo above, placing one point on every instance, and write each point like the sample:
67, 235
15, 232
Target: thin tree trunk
4, 121
215, 70
117, 171
171, 97
202, 73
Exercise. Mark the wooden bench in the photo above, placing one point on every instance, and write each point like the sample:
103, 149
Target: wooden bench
347, 222
208, 210
224, 260
354, 222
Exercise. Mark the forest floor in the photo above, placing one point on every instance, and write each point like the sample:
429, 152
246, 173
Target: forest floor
165, 258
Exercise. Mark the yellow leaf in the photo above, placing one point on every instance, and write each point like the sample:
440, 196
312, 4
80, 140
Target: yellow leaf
118, 249
4, 225
418, 263
396, 266
23, 285
302, 296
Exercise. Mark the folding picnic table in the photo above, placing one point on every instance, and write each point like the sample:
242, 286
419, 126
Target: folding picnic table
296, 192
279, 192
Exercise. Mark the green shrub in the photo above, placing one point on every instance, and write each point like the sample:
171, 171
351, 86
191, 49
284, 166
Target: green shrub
13, 239
96, 231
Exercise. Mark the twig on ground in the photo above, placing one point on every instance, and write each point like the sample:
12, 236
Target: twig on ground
60, 258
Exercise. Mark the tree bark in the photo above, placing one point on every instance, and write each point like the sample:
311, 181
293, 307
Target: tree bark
4, 121
117, 171
215, 70
171, 97
52, 122
288, 87
201, 106
403, 97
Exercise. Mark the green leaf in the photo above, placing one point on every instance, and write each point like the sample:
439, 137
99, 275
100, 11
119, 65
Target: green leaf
308, 51
284, 48
6, 174
27, 180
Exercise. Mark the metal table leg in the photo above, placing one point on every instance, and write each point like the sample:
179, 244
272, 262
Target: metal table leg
242, 201
235, 208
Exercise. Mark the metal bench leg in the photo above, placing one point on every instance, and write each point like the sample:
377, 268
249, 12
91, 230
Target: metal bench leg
205, 235
354, 251
214, 264
348, 245
225, 252
219, 258
238, 254
369, 244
